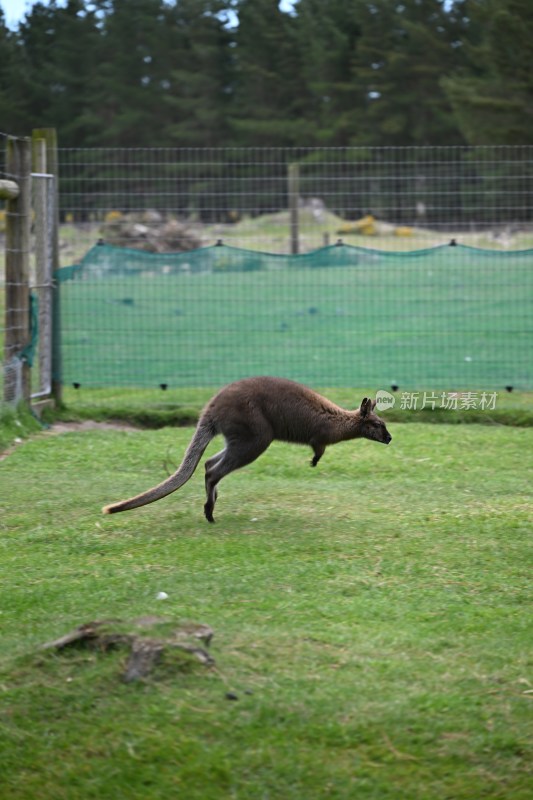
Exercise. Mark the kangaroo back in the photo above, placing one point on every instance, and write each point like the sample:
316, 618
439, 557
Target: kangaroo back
202, 436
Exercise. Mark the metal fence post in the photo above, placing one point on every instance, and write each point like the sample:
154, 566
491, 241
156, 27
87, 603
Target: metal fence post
43, 189
50, 137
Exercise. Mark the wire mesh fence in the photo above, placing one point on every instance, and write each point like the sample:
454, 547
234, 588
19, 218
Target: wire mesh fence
297, 199
338, 316
147, 320
452, 317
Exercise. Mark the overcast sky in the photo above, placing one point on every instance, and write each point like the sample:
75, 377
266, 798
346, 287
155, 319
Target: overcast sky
15, 10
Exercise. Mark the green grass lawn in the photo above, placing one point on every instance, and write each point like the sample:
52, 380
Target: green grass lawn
452, 319
371, 617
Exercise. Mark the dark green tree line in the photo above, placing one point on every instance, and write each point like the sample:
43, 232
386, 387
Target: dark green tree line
492, 94
243, 72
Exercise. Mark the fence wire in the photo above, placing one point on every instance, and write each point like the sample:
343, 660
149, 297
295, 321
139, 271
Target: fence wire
377, 321
397, 198
449, 316
458, 319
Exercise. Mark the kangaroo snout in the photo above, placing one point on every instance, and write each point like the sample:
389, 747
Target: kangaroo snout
388, 439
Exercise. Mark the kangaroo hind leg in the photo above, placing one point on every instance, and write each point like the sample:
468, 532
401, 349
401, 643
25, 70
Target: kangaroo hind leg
212, 460
211, 492
238, 453
318, 450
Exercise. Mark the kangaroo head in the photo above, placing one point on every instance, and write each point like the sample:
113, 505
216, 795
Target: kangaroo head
371, 426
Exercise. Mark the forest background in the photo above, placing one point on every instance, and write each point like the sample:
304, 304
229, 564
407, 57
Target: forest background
209, 73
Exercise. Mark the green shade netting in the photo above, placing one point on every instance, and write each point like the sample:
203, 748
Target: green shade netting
444, 317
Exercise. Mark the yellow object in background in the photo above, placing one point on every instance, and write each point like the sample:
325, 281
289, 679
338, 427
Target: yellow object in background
366, 226
369, 226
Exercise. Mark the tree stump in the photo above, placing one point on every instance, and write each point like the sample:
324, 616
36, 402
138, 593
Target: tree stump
145, 651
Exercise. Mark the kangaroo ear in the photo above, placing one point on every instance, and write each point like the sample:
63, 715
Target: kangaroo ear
373, 405
365, 407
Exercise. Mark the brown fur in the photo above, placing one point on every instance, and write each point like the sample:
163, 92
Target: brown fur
250, 414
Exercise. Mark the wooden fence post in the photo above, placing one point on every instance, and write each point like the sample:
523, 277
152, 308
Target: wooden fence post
50, 138
293, 192
18, 229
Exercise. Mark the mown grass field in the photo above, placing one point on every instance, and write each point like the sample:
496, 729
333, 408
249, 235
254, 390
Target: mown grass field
448, 319
370, 617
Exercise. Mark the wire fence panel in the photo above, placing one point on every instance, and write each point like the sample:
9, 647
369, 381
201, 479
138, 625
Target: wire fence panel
450, 317
338, 316
446, 317
389, 198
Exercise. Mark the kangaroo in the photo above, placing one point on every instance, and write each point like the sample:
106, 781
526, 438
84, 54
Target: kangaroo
250, 414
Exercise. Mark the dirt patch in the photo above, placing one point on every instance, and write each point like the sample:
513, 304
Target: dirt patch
89, 425
68, 427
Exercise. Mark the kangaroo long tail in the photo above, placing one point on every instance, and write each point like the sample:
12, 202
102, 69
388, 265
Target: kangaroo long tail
202, 436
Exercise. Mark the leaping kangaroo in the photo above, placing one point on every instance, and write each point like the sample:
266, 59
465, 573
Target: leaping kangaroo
250, 414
